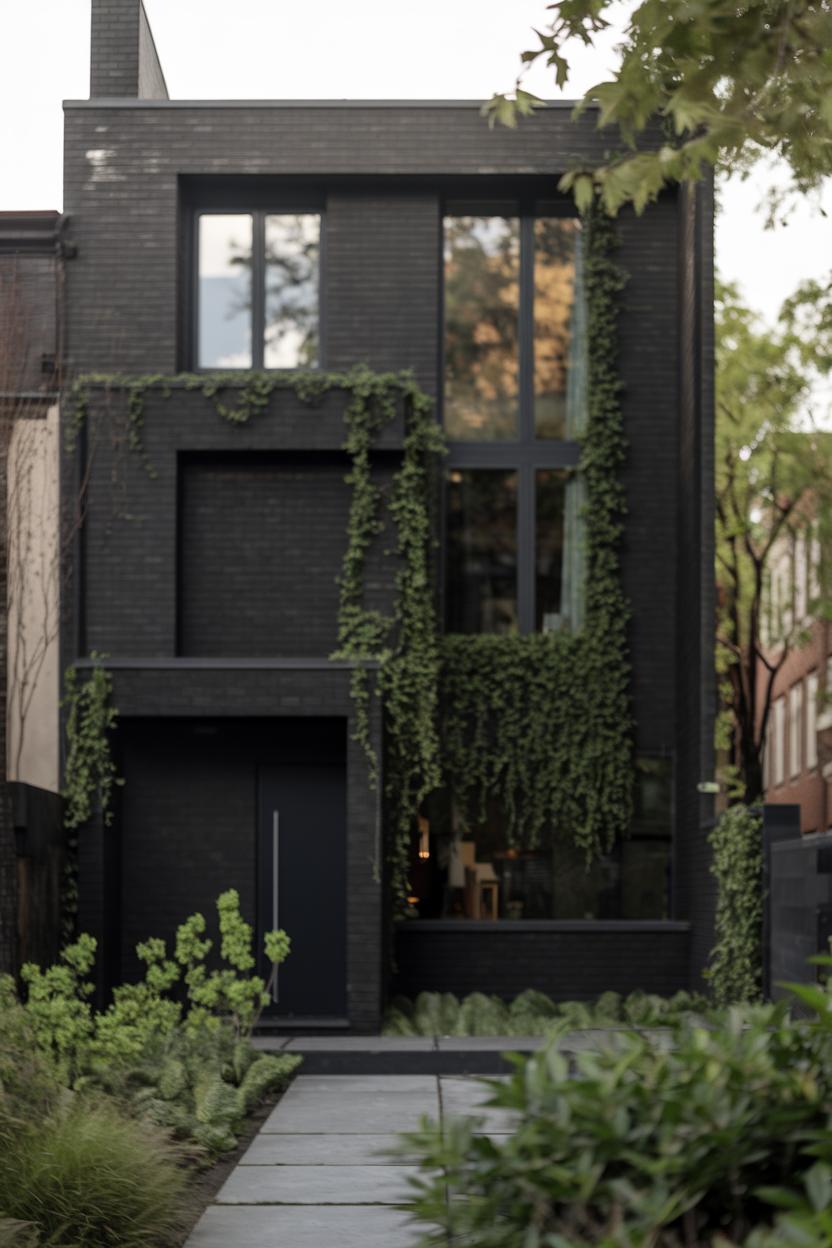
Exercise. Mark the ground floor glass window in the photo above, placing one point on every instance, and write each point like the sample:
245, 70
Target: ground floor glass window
480, 876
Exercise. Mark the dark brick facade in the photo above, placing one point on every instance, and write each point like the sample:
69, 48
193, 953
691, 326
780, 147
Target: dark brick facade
568, 961
166, 566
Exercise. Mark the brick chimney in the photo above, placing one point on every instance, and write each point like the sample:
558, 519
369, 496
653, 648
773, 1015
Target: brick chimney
123, 58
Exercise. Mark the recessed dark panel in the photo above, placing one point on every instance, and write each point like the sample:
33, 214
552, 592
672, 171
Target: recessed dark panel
262, 540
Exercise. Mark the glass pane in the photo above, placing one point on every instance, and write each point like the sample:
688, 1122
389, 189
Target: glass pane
482, 875
482, 285
481, 549
552, 571
559, 330
224, 291
292, 253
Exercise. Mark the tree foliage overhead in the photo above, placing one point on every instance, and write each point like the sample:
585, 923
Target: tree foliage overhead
773, 498
730, 80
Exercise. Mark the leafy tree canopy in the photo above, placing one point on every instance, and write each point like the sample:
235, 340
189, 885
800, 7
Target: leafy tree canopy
728, 80
773, 477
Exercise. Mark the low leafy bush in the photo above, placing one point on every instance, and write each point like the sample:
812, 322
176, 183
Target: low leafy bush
92, 1104
721, 1137
532, 1013
183, 1061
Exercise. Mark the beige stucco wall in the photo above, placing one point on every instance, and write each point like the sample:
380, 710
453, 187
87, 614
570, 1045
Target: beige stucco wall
34, 601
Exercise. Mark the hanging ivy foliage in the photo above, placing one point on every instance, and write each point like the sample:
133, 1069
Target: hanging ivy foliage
395, 654
542, 723
735, 969
89, 770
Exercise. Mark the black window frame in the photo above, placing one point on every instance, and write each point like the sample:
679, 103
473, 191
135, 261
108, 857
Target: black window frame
258, 208
526, 454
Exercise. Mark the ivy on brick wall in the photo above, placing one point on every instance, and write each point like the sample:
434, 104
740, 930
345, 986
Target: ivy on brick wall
89, 770
394, 655
540, 724
736, 963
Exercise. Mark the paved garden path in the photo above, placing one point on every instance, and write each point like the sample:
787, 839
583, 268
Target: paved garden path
316, 1175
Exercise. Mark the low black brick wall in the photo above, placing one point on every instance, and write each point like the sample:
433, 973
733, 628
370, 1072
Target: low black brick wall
800, 908
568, 960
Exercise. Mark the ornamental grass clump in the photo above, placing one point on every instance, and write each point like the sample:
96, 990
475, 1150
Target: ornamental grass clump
75, 1168
92, 1177
714, 1135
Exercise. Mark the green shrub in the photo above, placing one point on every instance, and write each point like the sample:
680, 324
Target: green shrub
90, 1177
722, 1137
532, 1013
187, 1066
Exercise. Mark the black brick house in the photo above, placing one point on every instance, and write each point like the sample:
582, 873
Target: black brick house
273, 234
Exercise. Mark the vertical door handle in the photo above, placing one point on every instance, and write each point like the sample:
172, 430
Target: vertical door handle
275, 887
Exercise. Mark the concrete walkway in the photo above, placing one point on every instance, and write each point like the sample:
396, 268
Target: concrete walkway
316, 1174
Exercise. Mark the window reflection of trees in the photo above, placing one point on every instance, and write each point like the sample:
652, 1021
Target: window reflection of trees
555, 242
482, 294
289, 290
291, 329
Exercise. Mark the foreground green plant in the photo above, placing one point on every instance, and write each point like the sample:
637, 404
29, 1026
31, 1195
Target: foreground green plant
175, 1047
533, 1013
713, 1135
91, 1177
75, 1168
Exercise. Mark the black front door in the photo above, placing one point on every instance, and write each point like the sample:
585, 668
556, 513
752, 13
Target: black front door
302, 884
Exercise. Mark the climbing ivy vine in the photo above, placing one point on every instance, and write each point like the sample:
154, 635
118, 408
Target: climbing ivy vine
542, 723
393, 654
89, 770
539, 723
736, 962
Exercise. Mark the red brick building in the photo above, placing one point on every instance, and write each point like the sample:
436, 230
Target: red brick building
798, 755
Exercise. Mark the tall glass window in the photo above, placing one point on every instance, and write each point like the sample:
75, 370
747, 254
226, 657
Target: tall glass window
481, 551
258, 280
225, 258
291, 328
514, 409
482, 313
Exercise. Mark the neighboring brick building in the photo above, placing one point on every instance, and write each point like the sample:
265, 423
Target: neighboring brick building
798, 754
31, 856
254, 234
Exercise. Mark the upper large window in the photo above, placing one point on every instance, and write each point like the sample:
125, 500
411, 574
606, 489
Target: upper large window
514, 405
258, 279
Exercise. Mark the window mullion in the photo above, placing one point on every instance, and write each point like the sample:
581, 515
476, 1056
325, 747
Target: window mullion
526, 328
258, 289
525, 546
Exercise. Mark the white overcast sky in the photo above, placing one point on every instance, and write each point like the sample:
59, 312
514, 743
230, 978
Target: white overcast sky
325, 49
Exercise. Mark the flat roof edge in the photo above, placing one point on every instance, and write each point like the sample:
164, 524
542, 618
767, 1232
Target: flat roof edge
119, 102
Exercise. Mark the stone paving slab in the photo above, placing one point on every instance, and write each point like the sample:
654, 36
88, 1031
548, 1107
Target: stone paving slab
350, 1113
321, 1150
302, 1226
361, 1085
361, 1044
316, 1185
489, 1044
